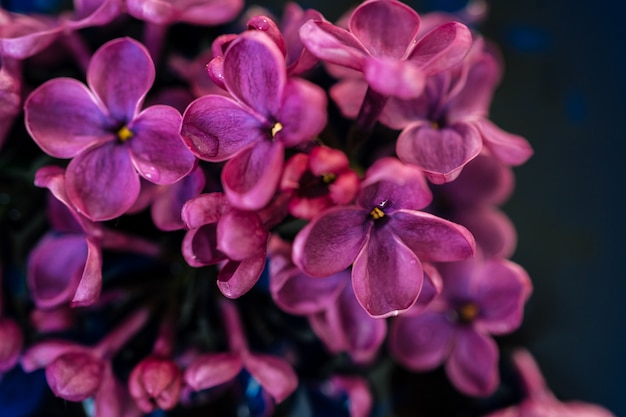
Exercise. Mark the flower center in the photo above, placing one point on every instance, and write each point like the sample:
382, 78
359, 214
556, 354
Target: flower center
276, 128
124, 133
377, 213
468, 312
328, 178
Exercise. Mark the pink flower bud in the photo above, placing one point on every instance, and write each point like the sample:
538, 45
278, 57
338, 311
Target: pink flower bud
10, 343
75, 376
155, 383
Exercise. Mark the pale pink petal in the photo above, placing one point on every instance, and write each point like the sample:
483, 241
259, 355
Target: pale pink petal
212, 369
275, 375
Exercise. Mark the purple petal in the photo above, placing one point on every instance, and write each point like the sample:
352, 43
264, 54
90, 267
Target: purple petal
275, 375
270, 28
360, 399
473, 363
331, 242
55, 268
494, 232
11, 343
442, 48
240, 234
255, 73
441, 153
237, 278
302, 112
295, 292
168, 204
421, 342
95, 12
431, 238
402, 79
90, 284
333, 44
204, 209
154, 11
101, 182
215, 128
120, 73
508, 148
157, 150
42, 354
209, 13
348, 94
75, 376
64, 118
211, 370
345, 326
500, 288
24, 36
251, 177
385, 28
391, 185
10, 95
199, 247
387, 276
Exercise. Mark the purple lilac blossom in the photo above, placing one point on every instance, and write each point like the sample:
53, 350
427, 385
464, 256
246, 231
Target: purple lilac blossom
268, 113
165, 12
220, 233
155, 382
22, 36
384, 237
317, 181
10, 94
479, 299
275, 375
111, 142
382, 44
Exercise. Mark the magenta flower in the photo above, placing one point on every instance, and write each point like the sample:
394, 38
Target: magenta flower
218, 233
539, 401
22, 36
317, 181
11, 341
382, 44
268, 113
478, 299
10, 94
384, 236
75, 372
155, 382
275, 375
67, 267
111, 142
448, 125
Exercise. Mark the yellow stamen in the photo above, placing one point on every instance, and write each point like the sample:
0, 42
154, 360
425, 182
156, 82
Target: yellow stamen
276, 128
124, 134
468, 312
377, 213
434, 125
328, 177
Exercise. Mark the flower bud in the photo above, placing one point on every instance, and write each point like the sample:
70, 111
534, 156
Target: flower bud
75, 376
10, 343
155, 383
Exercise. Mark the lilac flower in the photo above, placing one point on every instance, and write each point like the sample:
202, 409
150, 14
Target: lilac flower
384, 236
101, 128
155, 382
67, 267
539, 400
275, 375
75, 372
22, 36
447, 126
219, 232
382, 44
359, 395
478, 299
318, 181
269, 112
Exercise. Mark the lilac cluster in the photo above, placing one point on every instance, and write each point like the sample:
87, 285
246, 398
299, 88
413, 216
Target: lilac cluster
369, 204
